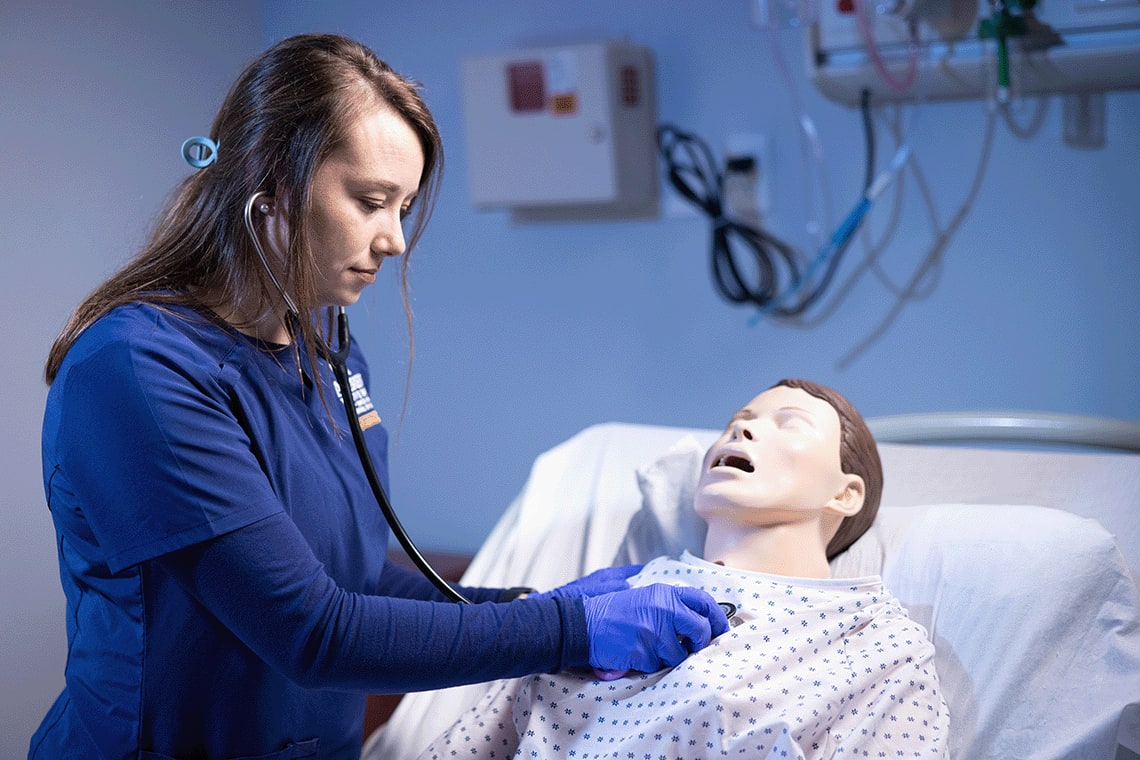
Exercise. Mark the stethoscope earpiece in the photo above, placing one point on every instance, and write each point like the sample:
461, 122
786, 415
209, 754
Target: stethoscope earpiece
264, 207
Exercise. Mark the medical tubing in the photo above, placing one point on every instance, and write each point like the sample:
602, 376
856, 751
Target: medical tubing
874, 187
868, 138
837, 246
767, 250
846, 231
840, 240
934, 255
340, 370
868, 35
832, 253
811, 149
1034, 127
869, 191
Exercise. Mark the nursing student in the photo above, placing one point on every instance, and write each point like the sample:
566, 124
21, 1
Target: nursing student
221, 553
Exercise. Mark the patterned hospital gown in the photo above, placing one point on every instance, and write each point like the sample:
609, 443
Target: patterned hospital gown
809, 669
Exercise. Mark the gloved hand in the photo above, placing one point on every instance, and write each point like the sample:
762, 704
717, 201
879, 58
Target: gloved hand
598, 582
649, 628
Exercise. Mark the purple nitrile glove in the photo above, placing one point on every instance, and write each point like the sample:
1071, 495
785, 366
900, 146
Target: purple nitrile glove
598, 582
649, 628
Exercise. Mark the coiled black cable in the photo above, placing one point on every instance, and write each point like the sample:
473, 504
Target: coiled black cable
781, 273
693, 172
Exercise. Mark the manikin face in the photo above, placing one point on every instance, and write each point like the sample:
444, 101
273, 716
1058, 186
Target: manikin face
777, 461
360, 195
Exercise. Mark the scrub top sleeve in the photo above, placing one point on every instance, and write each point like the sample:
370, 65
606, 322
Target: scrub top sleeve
264, 584
412, 584
160, 460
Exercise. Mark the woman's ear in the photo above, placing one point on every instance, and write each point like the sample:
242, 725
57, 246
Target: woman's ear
850, 499
276, 226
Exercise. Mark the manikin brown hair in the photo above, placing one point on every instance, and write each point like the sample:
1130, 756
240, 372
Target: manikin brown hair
858, 455
286, 112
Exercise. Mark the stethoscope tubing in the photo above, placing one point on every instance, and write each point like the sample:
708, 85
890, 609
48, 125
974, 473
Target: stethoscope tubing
338, 360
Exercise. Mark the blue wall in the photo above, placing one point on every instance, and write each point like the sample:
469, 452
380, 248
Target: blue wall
527, 333
95, 99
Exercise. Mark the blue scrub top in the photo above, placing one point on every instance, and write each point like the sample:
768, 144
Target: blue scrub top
165, 430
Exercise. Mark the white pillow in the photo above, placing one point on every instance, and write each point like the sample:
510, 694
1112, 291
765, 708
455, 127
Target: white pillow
666, 524
1034, 617
1032, 610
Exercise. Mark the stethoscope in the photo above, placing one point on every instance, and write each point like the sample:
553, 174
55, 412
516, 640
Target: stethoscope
337, 358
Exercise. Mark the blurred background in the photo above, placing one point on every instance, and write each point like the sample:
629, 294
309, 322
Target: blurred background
1015, 230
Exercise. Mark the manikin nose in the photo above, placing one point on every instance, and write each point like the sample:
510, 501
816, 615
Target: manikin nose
740, 430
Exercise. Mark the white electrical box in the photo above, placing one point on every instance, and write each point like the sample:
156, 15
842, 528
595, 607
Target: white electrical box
563, 133
1071, 46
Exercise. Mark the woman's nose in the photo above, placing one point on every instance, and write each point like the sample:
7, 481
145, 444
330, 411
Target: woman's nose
389, 240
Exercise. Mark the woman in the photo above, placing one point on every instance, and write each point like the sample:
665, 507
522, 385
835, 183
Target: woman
222, 555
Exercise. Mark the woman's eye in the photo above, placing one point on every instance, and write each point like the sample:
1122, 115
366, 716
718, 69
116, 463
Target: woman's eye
407, 209
371, 206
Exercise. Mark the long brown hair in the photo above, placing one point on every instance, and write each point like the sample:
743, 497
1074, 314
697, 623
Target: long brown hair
285, 113
858, 455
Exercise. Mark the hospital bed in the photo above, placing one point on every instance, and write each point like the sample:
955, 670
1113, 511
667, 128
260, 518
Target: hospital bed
1013, 538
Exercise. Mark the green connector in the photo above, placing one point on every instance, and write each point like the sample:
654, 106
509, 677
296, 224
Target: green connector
1000, 27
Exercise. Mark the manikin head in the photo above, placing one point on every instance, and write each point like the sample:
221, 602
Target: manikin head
798, 460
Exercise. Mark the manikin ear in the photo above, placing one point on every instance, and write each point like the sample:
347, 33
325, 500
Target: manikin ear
849, 500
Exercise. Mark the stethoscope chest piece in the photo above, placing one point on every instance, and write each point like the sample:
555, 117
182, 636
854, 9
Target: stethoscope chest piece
730, 610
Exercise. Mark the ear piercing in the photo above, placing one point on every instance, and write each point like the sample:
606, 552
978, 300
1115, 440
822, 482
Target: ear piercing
263, 208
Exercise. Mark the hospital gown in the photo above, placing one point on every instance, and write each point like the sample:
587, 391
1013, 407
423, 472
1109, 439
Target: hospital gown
810, 669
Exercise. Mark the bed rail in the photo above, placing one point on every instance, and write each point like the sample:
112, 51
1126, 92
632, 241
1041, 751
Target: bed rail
1008, 426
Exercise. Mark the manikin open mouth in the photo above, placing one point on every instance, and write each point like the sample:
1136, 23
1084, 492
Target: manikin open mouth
731, 460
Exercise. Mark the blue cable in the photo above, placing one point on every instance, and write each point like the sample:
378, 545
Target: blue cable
840, 239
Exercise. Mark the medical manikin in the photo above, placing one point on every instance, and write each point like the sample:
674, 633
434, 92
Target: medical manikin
813, 667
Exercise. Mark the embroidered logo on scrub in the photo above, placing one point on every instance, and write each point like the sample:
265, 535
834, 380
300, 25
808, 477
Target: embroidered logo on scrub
361, 401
